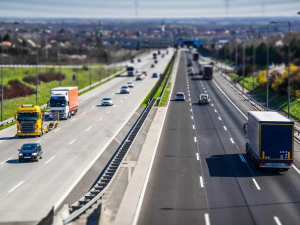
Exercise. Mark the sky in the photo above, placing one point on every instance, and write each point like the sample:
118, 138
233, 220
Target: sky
147, 8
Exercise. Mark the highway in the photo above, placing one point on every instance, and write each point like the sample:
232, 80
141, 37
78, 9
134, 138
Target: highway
29, 190
201, 174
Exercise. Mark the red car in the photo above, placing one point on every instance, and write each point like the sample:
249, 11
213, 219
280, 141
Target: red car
145, 73
152, 65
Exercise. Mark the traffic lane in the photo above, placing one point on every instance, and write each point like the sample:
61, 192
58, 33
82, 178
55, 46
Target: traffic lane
175, 166
272, 181
87, 102
122, 113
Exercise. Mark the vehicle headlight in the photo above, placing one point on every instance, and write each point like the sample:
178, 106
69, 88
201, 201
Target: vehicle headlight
20, 154
36, 131
34, 153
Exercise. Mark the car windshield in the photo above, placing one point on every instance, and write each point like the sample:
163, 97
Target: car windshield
124, 87
129, 83
180, 95
58, 102
29, 147
106, 99
27, 116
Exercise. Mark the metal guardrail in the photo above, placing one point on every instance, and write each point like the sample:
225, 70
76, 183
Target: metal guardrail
111, 169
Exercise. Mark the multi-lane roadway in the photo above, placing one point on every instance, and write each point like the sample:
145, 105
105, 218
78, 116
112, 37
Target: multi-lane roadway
201, 174
29, 190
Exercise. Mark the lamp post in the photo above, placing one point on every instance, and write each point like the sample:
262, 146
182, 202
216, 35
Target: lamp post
37, 69
289, 67
244, 65
236, 62
2, 72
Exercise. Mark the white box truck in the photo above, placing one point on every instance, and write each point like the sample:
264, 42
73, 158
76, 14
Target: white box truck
270, 140
64, 100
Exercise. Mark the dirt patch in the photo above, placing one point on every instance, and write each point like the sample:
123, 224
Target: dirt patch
45, 77
16, 89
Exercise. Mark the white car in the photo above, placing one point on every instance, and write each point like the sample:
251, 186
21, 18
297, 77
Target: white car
180, 96
125, 89
107, 101
130, 84
140, 77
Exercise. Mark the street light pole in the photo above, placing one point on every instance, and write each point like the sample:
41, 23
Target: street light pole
289, 66
58, 55
253, 66
267, 73
235, 62
2, 72
244, 66
37, 70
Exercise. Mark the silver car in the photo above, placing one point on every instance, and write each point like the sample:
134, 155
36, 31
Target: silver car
125, 89
107, 101
180, 96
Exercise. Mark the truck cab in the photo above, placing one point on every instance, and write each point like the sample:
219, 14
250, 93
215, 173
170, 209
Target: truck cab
29, 121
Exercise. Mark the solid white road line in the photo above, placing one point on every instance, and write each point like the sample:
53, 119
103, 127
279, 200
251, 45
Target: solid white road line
6, 160
201, 182
88, 129
100, 119
206, 217
242, 158
57, 129
230, 100
231, 140
11, 190
197, 155
108, 112
256, 184
277, 220
195, 139
296, 169
225, 128
83, 112
50, 159
72, 142
73, 119
38, 141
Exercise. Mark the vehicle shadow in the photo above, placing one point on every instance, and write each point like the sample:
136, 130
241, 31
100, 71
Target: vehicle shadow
197, 78
9, 138
16, 161
231, 165
102, 105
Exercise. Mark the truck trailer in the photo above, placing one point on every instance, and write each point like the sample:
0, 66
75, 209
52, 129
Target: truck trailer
270, 140
208, 72
64, 100
130, 70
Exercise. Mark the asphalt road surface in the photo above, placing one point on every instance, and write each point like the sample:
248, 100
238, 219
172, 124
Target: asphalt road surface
201, 174
29, 190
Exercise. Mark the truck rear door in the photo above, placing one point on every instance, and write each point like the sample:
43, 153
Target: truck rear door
276, 141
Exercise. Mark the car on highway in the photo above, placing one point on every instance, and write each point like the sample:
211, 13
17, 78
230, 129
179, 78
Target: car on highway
140, 77
167, 52
125, 89
163, 55
203, 99
180, 96
189, 64
130, 84
155, 75
191, 71
107, 101
139, 60
30, 152
145, 73
152, 65
132, 61
155, 61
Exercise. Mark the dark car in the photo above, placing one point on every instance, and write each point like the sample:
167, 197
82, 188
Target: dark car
30, 152
155, 61
152, 66
139, 60
132, 61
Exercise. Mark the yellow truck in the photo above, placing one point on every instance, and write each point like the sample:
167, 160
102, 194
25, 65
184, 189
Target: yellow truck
31, 121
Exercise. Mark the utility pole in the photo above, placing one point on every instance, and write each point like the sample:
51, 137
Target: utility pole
236, 68
2, 71
37, 70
